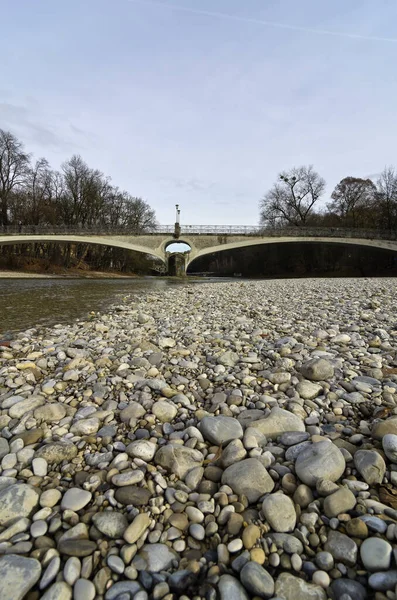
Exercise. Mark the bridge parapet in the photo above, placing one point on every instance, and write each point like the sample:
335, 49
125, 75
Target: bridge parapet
219, 230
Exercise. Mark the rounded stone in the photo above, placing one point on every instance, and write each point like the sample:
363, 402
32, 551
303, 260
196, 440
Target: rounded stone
57, 452
130, 477
115, 564
324, 560
322, 460
75, 499
132, 494
58, 591
72, 570
221, 430
290, 587
17, 576
197, 531
77, 547
137, 528
351, 588
382, 428
249, 478
257, 580
317, 369
231, 589
110, 523
321, 578
278, 422
16, 501
142, 449
40, 467
164, 411
50, 498
84, 590
357, 528
251, 535
376, 554
279, 512
389, 443
38, 529
339, 502
158, 557
370, 465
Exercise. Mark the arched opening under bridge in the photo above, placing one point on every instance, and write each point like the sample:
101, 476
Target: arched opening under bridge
297, 259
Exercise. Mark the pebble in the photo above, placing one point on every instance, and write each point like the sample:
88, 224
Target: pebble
279, 512
322, 460
231, 589
137, 528
72, 570
248, 477
376, 554
257, 580
370, 465
17, 576
243, 451
112, 524
84, 590
389, 444
75, 499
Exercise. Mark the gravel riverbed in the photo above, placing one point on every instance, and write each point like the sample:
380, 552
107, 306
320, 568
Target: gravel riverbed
224, 441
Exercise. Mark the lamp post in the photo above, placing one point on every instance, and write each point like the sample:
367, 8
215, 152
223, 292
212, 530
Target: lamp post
177, 231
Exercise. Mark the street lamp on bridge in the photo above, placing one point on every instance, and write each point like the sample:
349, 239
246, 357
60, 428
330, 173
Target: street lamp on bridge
177, 231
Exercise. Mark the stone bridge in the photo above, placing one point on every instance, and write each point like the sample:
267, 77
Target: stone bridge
202, 240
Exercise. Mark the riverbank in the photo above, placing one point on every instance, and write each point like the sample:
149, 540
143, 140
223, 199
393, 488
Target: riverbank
70, 274
237, 439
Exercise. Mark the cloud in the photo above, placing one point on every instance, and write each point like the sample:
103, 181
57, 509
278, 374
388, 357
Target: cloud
26, 123
225, 16
191, 184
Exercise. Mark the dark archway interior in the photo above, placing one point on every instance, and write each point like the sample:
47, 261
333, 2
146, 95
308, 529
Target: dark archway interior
56, 257
298, 259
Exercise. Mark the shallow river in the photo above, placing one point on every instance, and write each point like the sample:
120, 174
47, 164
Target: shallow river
25, 303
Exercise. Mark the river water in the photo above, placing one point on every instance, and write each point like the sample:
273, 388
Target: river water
25, 303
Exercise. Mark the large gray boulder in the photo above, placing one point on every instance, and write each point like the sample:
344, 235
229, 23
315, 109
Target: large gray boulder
17, 501
158, 557
248, 477
17, 576
278, 422
178, 459
290, 587
221, 430
317, 369
370, 465
322, 460
279, 512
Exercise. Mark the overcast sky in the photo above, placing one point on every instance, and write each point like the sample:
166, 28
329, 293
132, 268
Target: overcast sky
203, 102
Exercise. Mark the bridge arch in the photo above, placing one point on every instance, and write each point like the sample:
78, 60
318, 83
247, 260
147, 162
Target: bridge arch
10, 240
373, 243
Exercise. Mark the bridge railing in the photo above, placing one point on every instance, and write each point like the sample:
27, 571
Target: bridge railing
221, 230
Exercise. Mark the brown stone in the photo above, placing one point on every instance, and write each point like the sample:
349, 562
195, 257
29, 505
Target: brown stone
251, 535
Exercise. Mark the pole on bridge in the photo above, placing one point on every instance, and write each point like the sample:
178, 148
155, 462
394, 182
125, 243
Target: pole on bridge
177, 230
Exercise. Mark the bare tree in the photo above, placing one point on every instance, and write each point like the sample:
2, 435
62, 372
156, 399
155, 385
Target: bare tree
38, 192
14, 164
139, 217
291, 200
352, 200
387, 197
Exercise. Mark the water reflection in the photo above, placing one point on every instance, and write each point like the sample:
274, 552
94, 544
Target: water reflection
25, 303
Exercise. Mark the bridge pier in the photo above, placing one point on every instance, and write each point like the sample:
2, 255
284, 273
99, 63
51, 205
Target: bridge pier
176, 264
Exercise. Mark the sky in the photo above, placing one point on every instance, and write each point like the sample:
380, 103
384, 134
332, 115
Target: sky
202, 103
